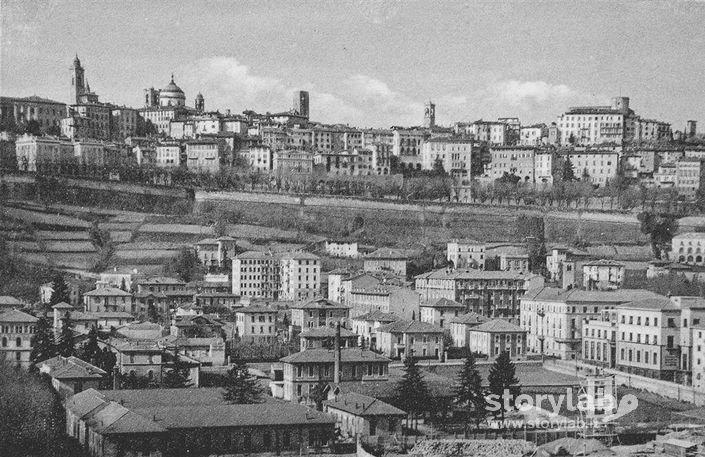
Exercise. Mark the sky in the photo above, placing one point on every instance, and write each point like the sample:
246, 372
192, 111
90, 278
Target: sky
368, 63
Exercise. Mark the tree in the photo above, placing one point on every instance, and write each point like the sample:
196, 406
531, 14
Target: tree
152, 313
33, 128
240, 386
178, 376
660, 229
469, 393
43, 346
66, 346
60, 291
438, 167
186, 265
90, 351
503, 382
567, 172
412, 392
319, 394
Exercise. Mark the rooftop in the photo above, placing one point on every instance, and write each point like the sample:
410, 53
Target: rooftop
443, 303
653, 304
497, 326
70, 368
255, 309
328, 355
378, 316
404, 326
320, 303
474, 274
6, 300
362, 405
470, 319
553, 294
107, 291
326, 332
14, 315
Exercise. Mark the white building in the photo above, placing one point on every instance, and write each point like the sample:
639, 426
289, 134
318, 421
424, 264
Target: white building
600, 165
689, 247
466, 254
455, 155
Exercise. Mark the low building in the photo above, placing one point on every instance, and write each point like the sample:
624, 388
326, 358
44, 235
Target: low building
192, 421
304, 370
402, 301
71, 375
207, 351
213, 252
16, 331
466, 254
8, 303
135, 358
513, 160
204, 156
461, 325
256, 324
319, 312
366, 326
402, 338
497, 336
344, 249
386, 259
514, 262
689, 248
200, 326
362, 416
324, 337
108, 299
603, 275
441, 312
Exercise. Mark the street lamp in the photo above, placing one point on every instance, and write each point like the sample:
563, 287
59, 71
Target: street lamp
541, 313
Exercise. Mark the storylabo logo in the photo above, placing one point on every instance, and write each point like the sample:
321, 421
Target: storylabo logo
605, 408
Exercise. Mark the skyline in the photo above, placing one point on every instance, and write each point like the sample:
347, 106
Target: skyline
368, 63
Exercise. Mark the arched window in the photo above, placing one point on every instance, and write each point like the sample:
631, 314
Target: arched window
4, 341
18, 342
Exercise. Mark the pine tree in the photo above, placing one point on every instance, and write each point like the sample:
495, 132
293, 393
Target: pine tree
152, 313
240, 386
568, 174
65, 345
502, 378
319, 394
412, 392
60, 291
90, 351
469, 393
178, 376
43, 346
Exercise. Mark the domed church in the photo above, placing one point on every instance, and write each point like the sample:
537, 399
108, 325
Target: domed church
172, 95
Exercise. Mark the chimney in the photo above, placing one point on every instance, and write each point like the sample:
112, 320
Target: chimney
336, 366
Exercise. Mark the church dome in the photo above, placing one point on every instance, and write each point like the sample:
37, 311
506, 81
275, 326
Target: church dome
172, 95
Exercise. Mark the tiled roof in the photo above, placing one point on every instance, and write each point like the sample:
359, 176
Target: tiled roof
62, 305
603, 263
328, 355
362, 405
378, 316
320, 303
161, 280
404, 326
14, 315
255, 309
553, 294
84, 402
326, 332
6, 300
497, 325
475, 274
470, 318
107, 291
658, 304
70, 368
393, 254
443, 303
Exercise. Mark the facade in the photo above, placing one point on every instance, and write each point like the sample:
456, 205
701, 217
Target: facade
366, 325
455, 155
600, 339
213, 252
124, 122
260, 158
401, 301
509, 261
386, 259
204, 156
167, 155
600, 166
585, 125
441, 312
689, 176
300, 276
461, 325
319, 312
497, 336
358, 415
256, 324
602, 275
490, 293
304, 370
406, 144
402, 338
689, 248
533, 135
543, 167
466, 254
43, 152
108, 299
47, 113
345, 249
513, 160
291, 163
553, 318
182, 421
16, 331
324, 338
71, 375
257, 274
491, 132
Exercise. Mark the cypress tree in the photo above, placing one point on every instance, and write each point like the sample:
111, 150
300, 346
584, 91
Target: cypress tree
43, 346
178, 376
60, 291
412, 396
503, 378
65, 345
240, 386
469, 393
90, 351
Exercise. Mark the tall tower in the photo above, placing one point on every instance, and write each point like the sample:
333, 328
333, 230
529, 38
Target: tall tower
301, 103
199, 104
429, 115
78, 81
691, 129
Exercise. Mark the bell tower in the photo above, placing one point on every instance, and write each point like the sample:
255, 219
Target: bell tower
429, 115
78, 81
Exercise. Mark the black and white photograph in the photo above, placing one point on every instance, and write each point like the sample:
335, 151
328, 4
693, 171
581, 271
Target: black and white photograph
352, 228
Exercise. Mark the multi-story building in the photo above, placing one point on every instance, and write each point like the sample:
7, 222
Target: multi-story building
345, 249
260, 158
43, 152
543, 167
304, 370
603, 274
324, 337
319, 312
600, 339
290, 276
167, 155
600, 166
108, 299
291, 163
403, 337
497, 336
585, 125
461, 325
689, 247
16, 331
491, 132
406, 144
514, 261
214, 252
300, 276
138, 358
386, 259
441, 312
513, 160
533, 135
651, 130
204, 156
124, 122
690, 173
402, 301
490, 293
256, 324
21, 110
466, 254
698, 359
455, 155
364, 416
554, 317
366, 325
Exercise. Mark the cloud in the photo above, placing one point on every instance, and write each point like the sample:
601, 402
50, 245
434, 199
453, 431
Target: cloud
526, 94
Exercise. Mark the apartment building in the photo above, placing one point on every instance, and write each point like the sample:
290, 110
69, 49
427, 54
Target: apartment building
455, 155
496, 336
204, 156
466, 254
599, 166
513, 160
402, 338
319, 312
689, 248
256, 324
401, 301
16, 331
441, 312
603, 274
461, 325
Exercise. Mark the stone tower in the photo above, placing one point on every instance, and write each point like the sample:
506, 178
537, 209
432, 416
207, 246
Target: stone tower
200, 103
78, 81
429, 115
